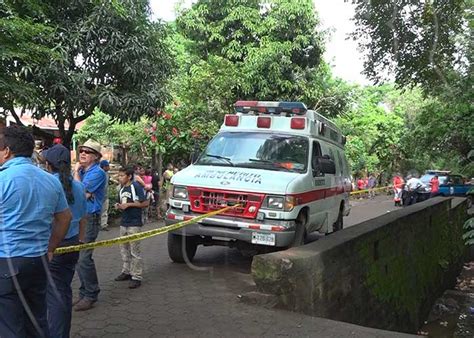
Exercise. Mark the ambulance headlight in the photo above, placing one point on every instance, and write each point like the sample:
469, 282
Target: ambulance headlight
285, 203
180, 193
275, 202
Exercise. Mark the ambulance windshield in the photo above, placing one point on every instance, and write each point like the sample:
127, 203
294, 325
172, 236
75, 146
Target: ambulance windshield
278, 152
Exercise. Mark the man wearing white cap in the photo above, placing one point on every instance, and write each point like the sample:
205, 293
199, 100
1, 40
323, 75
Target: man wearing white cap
88, 171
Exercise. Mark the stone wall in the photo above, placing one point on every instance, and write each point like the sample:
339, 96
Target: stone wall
384, 273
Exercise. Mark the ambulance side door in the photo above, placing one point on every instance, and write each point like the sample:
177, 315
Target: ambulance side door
332, 199
318, 207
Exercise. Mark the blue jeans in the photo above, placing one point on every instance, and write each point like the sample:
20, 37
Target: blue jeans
89, 288
23, 297
59, 295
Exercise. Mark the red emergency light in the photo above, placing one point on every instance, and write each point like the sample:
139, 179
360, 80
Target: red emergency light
298, 123
264, 122
231, 120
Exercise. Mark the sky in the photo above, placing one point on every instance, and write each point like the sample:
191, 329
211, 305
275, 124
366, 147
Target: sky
335, 16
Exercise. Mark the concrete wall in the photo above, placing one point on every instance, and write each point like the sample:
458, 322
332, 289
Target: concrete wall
384, 273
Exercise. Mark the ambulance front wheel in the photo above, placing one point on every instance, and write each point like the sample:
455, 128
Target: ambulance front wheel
339, 224
300, 233
181, 249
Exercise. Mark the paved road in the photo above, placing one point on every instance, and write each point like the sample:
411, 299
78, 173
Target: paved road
202, 300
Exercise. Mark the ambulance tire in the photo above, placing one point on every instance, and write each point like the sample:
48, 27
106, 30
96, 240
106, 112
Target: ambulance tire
339, 224
181, 250
300, 234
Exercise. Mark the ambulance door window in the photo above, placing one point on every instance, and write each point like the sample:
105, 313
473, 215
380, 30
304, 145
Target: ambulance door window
316, 149
316, 153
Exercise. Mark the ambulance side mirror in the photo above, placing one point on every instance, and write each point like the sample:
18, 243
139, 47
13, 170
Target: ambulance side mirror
323, 165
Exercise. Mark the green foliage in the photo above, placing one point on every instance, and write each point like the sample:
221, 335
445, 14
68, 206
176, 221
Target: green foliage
111, 57
469, 231
427, 44
128, 135
24, 42
266, 50
416, 40
374, 130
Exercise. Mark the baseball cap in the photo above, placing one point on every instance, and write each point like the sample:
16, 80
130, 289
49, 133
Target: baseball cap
104, 163
56, 155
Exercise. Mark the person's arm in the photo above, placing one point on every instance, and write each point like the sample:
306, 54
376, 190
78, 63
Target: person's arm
138, 204
76, 175
60, 227
93, 181
82, 229
139, 180
141, 202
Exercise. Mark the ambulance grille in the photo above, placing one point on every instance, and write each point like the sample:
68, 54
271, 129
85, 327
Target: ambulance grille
205, 200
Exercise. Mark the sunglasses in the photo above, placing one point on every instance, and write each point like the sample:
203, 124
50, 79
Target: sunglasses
86, 151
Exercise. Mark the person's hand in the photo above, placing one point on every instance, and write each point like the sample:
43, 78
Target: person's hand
77, 166
50, 256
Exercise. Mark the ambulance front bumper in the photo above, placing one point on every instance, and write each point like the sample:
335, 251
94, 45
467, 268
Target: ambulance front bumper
236, 228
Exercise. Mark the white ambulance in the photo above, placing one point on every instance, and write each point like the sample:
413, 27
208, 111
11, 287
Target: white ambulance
283, 164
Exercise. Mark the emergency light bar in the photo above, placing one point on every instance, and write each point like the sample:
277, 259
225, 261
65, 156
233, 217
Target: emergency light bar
270, 107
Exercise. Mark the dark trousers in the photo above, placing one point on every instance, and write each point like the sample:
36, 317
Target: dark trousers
23, 282
89, 288
59, 295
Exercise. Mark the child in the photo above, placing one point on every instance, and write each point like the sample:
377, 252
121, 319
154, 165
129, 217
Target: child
132, 201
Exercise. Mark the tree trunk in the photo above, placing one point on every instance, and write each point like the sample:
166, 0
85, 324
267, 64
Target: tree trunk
160, 163
124, 156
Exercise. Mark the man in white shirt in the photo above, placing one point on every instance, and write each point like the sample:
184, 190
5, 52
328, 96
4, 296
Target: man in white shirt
413, 183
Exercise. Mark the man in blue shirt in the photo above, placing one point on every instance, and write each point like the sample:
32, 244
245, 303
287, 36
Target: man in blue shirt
34, 218
88, 171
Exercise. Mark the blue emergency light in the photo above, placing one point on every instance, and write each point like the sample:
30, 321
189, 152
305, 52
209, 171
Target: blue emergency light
270, 107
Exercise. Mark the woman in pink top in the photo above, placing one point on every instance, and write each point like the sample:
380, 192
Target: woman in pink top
145, 175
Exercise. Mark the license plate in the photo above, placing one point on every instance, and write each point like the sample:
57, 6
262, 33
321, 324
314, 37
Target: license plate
265, 239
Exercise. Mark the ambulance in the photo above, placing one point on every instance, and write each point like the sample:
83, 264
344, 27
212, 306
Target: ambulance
282, 165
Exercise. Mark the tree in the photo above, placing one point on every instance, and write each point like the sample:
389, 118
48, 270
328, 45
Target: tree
374, 129
266, 50
111, 57
420, 42
25, 39
427, 44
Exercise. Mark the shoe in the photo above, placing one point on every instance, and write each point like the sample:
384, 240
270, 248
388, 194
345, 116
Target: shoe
104, 229
122, 277
133, 284
75, 301
84, 305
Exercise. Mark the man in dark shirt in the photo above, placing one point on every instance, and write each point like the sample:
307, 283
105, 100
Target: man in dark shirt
132, 200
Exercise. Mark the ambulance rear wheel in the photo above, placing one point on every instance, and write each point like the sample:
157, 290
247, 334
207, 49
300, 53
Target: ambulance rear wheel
181, 249
339, 224
300, 233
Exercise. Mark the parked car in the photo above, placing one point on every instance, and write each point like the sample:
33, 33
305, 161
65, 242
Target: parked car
454, 185
429, 174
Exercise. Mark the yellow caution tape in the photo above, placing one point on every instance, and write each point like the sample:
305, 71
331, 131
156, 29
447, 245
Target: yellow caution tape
139, 236
367, 190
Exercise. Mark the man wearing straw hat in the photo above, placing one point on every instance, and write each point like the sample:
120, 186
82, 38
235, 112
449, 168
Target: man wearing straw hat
88, 171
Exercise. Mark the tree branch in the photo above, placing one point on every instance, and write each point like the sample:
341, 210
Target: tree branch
14, 114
